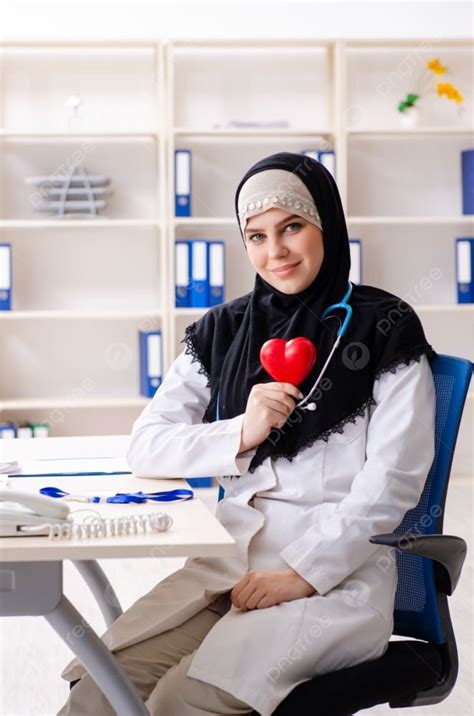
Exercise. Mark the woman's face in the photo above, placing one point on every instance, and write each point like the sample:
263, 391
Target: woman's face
276, 238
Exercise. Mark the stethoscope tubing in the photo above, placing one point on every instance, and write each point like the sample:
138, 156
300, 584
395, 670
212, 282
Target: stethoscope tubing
341, 331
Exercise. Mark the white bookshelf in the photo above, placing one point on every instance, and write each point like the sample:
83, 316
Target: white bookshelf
83, 288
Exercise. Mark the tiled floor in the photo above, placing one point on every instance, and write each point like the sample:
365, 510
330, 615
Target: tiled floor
32, 656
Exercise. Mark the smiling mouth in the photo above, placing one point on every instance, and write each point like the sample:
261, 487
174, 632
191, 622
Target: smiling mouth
287, 270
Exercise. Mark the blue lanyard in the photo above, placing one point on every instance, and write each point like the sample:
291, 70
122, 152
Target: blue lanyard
122, 498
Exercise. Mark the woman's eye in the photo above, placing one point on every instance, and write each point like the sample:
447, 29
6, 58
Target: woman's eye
294, 224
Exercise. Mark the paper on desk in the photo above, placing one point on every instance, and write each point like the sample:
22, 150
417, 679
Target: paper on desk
8, 467
72, 466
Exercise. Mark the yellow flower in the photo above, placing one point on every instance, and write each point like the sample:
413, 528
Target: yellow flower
449, 91
436, 67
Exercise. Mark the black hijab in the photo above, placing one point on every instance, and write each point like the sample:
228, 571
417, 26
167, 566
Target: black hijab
383, 333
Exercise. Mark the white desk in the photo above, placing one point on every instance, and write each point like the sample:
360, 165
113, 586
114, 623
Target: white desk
31, 573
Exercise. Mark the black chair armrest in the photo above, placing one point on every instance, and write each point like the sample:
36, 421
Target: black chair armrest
447, 551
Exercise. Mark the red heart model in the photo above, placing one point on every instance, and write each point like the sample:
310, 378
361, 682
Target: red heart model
288, 361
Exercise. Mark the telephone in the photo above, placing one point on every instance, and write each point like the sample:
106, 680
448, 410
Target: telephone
29, 514
20, 510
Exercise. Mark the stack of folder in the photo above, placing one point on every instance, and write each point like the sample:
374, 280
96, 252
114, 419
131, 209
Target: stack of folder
199, 273
27, 430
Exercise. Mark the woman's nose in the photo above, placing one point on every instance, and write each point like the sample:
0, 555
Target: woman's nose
276, 248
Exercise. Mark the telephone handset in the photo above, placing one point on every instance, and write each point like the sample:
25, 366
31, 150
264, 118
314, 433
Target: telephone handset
20, 510
29, 514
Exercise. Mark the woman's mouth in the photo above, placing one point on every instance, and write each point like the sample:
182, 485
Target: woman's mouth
284, 272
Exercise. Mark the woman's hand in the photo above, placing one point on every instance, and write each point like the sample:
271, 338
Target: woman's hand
268, 406
261, 589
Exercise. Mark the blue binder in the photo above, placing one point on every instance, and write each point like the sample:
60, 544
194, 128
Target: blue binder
328, 158
465, 269
182, 182
150, 362
7, 430
5, 277
355, 274
325, 156
199, 274
182, 274
216, 272
467, 167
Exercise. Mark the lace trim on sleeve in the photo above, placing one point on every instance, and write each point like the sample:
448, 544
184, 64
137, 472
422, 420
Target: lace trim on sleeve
192, 350
415, 354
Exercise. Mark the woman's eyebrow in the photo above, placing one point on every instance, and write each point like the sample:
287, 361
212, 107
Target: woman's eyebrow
293, 216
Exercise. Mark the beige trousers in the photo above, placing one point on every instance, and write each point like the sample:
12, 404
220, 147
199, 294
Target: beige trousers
158, 666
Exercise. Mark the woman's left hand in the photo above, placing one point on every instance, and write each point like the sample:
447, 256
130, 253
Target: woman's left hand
261, 589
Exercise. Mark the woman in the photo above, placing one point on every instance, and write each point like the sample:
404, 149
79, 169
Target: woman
307, 592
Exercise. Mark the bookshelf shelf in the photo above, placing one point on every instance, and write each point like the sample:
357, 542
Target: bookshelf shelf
83, 283
442, 220
402, 131
251, 133
99, 223
73, 404
100, 135
205, 221
79, 315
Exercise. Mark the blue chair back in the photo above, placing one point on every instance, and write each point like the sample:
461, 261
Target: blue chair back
416, 611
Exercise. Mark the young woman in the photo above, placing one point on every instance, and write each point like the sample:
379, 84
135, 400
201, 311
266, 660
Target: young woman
307, 592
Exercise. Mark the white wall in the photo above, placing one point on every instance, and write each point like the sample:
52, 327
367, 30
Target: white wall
155, 18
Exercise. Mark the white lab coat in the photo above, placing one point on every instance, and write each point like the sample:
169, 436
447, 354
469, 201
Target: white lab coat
314, 514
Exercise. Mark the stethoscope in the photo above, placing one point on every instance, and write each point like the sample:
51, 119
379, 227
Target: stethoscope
122, 498
342, 329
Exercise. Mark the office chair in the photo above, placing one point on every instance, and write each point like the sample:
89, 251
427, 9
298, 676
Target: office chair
420, 671
423, 670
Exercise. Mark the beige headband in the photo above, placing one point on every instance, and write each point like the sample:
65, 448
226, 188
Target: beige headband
276, 188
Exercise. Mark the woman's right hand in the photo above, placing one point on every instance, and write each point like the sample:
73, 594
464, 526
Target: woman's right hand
268, 406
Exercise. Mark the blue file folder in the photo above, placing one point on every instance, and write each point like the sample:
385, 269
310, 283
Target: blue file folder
355, 274
7, 430
5, 277
328, 158
325, 156
216, 272
150, 362
199, 274
182, 274
467, 169
182, 182
465, 269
